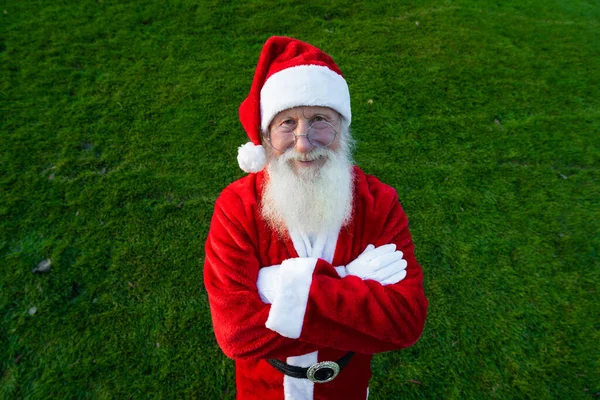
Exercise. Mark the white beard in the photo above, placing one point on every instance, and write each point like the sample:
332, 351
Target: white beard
311, 200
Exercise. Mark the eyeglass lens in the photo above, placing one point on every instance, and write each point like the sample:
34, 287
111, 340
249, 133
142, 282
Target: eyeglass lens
320, 134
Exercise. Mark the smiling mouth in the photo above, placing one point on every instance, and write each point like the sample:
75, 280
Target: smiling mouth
310, 159
313, 163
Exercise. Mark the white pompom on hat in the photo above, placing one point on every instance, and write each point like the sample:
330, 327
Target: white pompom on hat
251, 157
290, 73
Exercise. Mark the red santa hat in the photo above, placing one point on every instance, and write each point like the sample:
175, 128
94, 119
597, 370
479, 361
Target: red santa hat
290, 73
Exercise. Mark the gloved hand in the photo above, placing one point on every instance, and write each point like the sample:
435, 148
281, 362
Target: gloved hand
383, 264
268, 283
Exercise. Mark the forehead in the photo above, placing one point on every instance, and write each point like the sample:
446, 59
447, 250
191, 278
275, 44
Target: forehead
305, 112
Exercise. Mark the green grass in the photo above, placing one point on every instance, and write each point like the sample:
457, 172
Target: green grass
119, 128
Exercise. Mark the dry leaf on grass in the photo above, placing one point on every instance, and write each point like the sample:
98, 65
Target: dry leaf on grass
43, 266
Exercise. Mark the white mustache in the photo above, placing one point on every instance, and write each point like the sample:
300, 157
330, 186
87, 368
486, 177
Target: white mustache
315, 154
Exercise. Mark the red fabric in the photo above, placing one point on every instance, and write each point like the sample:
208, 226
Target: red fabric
342, 314
278, 53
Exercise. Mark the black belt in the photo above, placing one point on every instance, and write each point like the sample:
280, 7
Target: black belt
322, 372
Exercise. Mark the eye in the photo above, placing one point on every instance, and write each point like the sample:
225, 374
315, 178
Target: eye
319, 118
287, 122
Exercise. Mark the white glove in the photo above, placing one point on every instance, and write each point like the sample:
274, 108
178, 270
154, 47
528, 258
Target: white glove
383, 264
268, 283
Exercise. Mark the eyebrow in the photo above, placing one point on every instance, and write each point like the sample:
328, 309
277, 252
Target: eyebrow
325, 114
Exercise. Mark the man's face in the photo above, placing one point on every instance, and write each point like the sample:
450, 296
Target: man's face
304, 154
310, 185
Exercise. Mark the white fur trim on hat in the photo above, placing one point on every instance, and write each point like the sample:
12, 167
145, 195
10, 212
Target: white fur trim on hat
304, 85
251, 157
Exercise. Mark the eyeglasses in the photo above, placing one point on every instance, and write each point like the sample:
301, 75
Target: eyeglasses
320, 134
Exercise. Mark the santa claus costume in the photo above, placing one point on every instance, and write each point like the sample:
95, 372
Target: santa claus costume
319, 313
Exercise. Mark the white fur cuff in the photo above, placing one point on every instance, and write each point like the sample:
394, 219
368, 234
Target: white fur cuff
251, 157
287, 311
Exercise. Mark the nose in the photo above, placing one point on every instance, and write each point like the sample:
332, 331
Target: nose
302, 143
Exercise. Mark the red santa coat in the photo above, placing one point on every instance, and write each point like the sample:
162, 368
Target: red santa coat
320, 317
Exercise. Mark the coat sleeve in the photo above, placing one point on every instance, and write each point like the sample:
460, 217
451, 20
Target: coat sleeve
316, 306
230, 273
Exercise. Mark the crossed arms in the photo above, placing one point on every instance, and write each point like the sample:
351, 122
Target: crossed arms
377, 305
383, 264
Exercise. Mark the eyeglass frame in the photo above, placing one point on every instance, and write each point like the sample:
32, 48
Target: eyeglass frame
267, 137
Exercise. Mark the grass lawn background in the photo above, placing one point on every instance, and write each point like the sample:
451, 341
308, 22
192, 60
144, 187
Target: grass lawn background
119, 129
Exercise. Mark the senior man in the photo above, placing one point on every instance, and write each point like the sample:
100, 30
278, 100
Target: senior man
310, 267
